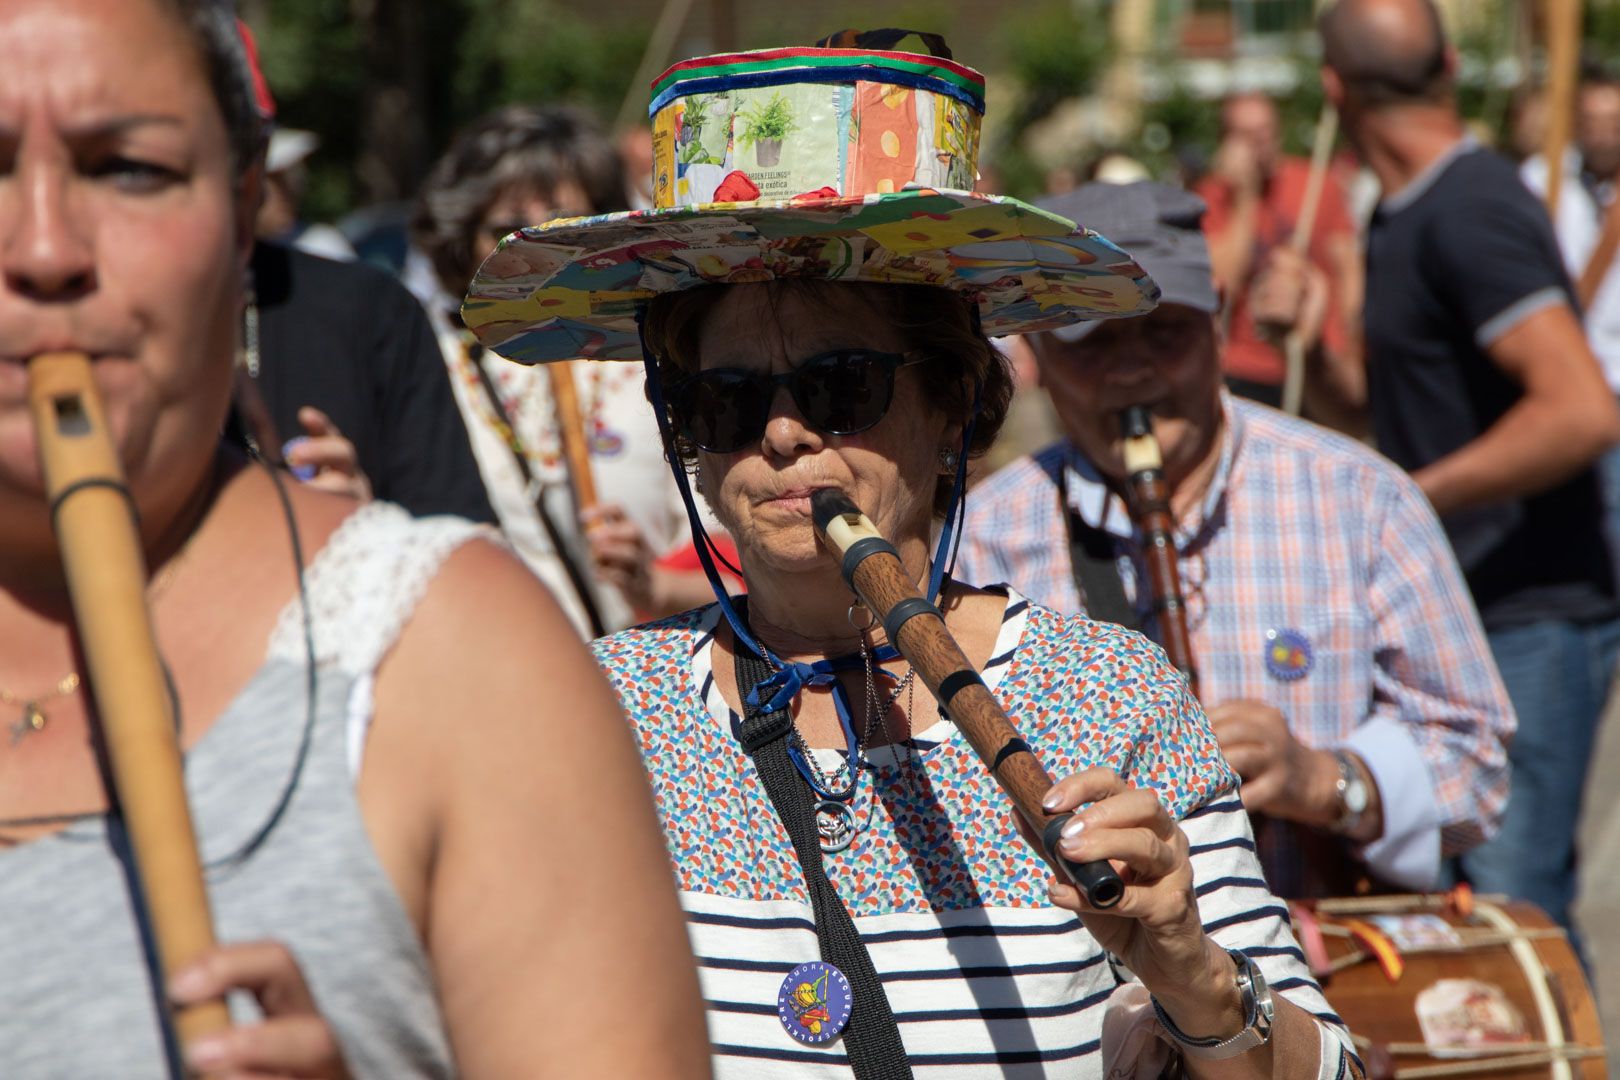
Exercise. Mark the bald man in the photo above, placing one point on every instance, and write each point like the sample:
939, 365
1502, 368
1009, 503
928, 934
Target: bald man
1481, 383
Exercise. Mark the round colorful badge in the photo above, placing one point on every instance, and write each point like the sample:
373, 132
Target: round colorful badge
1288, 654
814, 1003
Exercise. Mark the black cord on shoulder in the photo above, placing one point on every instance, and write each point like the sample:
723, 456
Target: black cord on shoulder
311, 682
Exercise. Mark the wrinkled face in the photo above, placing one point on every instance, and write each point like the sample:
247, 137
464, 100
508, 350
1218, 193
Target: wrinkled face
1167, 360
1254, 120
1597, 129
761, 492
123, 231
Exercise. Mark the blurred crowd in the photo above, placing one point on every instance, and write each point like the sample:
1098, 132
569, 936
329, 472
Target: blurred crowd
1310, 260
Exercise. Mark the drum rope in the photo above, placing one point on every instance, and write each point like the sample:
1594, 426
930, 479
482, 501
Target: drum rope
1559, 1059
1535, 973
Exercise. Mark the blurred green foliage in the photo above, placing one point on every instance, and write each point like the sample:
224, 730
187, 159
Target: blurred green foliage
539, 51
321, 57
1056, 51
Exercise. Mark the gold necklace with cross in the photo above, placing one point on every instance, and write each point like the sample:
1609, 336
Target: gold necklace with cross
33, 717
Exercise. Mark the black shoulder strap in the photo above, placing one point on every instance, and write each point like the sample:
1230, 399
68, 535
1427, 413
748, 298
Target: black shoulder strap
576, 575
872, 1039
1095, 565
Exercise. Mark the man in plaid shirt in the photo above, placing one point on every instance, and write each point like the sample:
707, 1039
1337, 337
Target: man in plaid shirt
1339, 654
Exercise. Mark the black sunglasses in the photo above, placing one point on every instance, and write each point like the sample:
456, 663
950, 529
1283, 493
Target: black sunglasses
842, 392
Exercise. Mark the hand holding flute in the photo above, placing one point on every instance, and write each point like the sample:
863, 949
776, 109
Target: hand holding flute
1084, 824
874, 571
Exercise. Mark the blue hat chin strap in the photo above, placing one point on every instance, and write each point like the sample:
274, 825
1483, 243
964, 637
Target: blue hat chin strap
792, 677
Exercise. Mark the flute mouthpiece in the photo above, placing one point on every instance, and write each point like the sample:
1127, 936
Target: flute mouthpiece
1134, 421
1141, 448
827, 504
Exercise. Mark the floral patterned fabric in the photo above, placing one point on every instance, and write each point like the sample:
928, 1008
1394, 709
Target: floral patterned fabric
937, 836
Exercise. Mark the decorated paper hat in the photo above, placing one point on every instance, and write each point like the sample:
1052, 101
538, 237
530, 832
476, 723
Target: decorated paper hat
845, 164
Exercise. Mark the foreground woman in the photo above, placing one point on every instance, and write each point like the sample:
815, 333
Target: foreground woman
966, 958
364, 769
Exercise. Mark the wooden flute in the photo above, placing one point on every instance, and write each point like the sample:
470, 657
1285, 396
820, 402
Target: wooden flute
94, 519
872, 568
1150, 509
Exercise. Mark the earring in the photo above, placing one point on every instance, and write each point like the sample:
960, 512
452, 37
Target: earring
948, 460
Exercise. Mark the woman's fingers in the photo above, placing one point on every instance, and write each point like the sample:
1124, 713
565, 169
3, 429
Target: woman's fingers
267, 969
324, 452
1147, 855
289, 1046
293, 1041
316, 423
1090, 786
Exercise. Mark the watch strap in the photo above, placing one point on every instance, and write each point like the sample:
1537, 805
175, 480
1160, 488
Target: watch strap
1257, 1016
1350, 775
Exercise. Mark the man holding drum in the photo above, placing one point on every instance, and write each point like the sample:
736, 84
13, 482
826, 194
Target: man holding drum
1340, 657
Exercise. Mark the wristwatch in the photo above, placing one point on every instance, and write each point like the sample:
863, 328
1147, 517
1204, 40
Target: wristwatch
1353, 794
1258, 1012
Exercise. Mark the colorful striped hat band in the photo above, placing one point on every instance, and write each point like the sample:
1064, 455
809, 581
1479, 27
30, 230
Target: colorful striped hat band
787, 122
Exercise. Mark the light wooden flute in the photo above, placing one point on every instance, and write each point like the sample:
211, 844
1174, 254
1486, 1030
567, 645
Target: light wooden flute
873, 569
106, 576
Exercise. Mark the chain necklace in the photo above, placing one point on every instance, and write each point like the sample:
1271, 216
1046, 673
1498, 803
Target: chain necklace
877, 713
33, 717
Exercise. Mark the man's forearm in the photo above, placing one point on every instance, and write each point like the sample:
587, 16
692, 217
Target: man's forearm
1535, 445
1231, 250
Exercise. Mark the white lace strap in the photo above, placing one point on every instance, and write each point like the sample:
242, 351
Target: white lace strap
364, 584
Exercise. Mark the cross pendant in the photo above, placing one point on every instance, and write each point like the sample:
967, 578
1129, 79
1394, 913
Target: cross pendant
31, 720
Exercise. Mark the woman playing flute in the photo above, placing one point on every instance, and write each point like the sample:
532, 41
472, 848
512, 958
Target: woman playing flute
363, 766
822, 327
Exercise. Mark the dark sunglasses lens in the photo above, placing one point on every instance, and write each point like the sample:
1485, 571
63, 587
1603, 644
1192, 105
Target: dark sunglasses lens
721, 411
845, 392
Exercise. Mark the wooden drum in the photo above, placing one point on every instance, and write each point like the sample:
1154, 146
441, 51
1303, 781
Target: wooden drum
1453, 985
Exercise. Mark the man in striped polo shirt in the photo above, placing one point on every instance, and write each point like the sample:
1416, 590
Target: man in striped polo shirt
1339, 654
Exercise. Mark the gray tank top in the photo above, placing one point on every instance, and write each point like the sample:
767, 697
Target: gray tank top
286, 851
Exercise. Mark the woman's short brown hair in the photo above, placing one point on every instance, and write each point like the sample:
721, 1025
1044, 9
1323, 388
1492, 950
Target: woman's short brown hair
534, 147
931, 320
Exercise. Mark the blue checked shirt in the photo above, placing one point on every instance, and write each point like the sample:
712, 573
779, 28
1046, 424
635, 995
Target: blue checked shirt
1308, 540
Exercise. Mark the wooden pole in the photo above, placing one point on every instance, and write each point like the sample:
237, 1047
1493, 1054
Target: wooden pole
665, 31
1563, 32
1327, 130
571, 430
106, 577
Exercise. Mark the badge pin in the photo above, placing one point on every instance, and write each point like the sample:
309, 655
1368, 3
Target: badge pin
1288, 654
814, 1003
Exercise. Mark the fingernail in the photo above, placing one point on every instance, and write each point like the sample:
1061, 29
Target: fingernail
187, 984
300, 472
205, 1052
1073, 828
1053, 799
